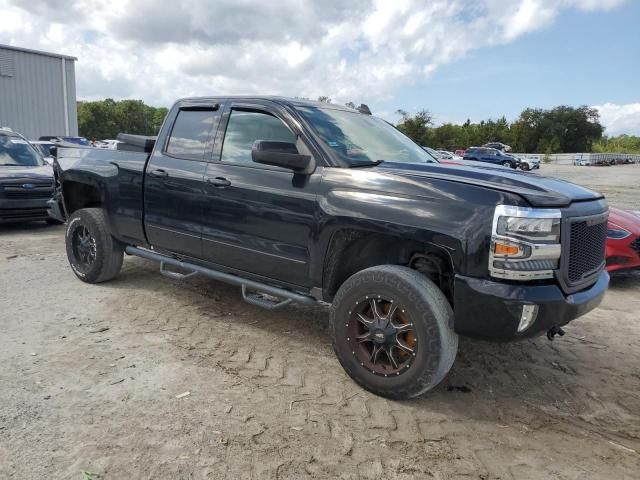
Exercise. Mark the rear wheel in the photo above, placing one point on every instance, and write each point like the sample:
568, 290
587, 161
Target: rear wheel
524, 166
392, 331
94, 255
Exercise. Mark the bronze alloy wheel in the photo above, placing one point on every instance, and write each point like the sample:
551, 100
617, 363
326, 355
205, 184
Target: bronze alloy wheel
381, 335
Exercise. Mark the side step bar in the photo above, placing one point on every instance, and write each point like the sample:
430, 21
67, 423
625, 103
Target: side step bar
244, 283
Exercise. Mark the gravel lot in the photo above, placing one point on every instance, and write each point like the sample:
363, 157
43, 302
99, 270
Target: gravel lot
95, 378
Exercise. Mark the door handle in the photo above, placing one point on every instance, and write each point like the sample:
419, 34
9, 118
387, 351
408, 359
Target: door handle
158, 173
218, 182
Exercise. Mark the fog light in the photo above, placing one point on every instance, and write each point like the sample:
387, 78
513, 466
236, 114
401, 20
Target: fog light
528, 316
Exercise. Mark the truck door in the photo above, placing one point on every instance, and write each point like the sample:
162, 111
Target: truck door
258, 218
173, 194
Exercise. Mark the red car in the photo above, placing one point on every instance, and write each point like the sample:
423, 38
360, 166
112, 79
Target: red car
623, 240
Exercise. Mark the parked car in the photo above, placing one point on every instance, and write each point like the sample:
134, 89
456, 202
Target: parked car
107, 144
45, 149
623, 240
459, 153
498, 146
440, 158
491, 155
26, 180
299, 201
449, 155
529, 163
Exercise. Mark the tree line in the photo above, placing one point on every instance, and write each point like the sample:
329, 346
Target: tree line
562, 129
104, 119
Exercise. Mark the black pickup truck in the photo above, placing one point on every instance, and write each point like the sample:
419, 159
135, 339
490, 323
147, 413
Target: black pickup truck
297, 201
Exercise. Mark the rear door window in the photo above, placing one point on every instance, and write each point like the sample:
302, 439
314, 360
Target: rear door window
191, 134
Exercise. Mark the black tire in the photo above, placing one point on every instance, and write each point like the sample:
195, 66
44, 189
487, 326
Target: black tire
105, 251
507, 164
524, 166
431, 318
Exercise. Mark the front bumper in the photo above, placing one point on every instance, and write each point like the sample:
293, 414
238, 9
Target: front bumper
623, 254
491, 310
23, 210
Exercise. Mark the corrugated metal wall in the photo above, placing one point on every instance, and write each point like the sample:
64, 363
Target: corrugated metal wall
32, 94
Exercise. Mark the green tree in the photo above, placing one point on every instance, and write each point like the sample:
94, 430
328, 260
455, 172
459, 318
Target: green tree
106, 118
562, 129
417, 127
619, 144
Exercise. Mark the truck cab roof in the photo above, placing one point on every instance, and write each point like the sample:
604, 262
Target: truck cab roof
289, 101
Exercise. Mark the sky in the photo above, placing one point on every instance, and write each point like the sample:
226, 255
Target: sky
458, 59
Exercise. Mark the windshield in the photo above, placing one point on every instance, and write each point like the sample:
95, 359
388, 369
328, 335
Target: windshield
16, 151
362, 139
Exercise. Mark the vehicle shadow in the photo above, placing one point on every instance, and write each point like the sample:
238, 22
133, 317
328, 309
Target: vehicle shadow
625, 280
574, 375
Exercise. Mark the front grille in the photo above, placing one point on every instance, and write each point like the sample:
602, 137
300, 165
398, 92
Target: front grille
586, 249
34, 191
635, 245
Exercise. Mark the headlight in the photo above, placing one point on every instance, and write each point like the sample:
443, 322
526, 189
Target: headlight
525, 243
616, 232
539, 229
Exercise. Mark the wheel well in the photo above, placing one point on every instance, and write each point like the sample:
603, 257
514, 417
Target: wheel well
351, 251
80, 195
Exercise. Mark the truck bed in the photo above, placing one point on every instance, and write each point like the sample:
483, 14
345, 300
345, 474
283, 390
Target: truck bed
118, 174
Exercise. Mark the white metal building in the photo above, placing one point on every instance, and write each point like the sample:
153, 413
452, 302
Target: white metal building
37, 92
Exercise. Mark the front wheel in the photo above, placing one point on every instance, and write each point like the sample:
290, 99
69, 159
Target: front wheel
507, 164
392, 331
94, 255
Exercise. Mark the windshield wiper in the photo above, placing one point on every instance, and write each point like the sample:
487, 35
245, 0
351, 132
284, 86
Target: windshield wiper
371, 163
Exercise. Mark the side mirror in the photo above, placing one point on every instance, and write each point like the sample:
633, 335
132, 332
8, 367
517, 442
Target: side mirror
279, 154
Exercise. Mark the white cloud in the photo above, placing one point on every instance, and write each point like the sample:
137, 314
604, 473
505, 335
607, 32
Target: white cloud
619, 119
358, 50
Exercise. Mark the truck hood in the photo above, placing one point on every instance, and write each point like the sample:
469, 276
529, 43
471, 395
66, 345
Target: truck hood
539, 191
43, 173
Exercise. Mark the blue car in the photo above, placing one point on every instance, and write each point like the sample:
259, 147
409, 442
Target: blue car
491, 155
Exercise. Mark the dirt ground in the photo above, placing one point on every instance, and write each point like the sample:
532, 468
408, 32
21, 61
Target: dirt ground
95, 379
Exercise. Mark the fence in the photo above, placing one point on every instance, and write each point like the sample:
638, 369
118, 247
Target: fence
584, 158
